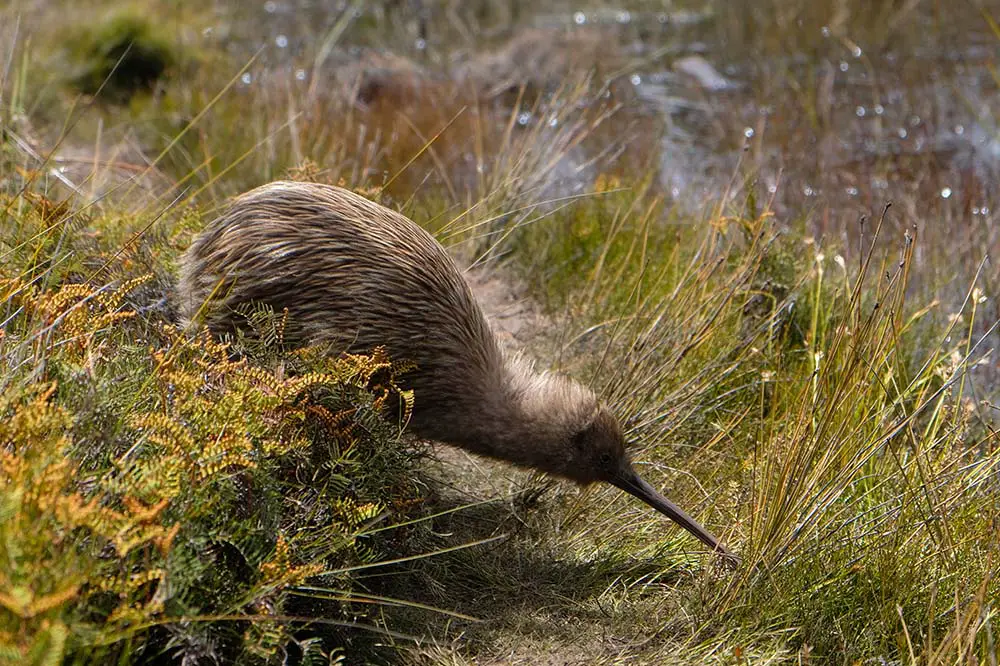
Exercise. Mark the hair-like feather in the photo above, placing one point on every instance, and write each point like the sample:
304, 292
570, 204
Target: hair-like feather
355, 275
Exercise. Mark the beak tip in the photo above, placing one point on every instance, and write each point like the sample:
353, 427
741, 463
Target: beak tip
727, 557
633, 484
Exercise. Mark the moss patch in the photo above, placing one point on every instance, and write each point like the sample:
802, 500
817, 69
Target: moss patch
121, 57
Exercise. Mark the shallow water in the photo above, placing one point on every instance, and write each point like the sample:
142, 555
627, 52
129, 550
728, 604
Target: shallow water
827, 124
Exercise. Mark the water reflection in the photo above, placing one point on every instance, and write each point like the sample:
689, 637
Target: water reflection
830, 118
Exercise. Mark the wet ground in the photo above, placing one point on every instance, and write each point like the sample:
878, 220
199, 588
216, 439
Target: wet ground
827, 111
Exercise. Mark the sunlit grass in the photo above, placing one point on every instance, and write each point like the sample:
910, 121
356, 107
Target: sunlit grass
163, 495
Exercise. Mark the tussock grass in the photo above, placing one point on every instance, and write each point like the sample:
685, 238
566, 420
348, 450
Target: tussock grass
165, 496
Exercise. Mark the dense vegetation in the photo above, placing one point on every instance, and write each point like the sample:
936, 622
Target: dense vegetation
166, 497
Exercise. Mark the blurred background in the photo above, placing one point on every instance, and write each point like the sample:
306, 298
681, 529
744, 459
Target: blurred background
675, 201
826, 111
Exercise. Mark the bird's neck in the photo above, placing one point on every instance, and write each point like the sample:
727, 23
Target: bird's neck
533, 417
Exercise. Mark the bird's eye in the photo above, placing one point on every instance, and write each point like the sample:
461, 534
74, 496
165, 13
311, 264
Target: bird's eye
605, 458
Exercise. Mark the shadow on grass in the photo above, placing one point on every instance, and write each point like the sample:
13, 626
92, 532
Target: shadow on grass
528, 581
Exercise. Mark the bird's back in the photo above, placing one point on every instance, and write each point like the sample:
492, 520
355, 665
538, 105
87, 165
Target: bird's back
351, 273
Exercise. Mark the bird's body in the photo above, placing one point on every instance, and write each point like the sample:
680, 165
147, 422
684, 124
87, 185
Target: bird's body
356, 275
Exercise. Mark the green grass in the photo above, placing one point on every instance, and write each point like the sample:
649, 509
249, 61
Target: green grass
164, 497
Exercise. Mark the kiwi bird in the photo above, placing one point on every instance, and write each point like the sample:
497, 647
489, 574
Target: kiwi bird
355, 275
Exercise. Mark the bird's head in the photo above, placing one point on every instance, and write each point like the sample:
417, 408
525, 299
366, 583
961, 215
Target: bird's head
597, 453
566, 431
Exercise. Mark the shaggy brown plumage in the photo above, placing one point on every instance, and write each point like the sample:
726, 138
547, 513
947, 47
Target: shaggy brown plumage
356, 275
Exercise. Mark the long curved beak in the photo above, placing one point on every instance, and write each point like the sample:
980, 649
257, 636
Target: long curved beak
633, 484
